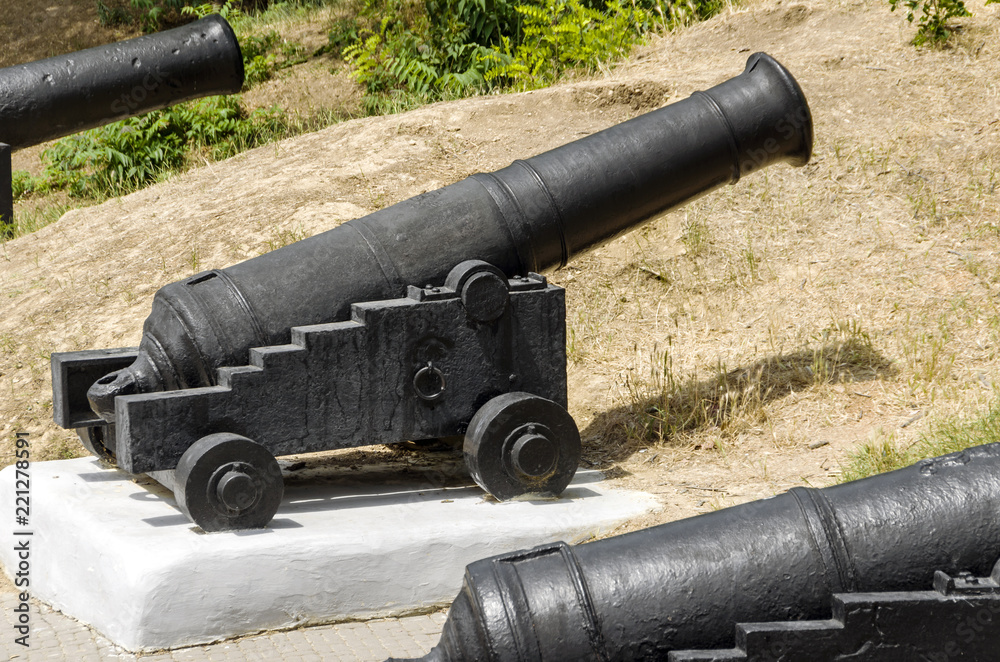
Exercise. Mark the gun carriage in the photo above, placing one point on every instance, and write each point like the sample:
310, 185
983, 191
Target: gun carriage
426, 319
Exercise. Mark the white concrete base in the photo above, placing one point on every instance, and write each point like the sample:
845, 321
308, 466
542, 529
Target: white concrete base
120, 557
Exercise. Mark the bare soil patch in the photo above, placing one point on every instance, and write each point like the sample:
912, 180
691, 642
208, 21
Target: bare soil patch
309, 89
840, 301
36, 29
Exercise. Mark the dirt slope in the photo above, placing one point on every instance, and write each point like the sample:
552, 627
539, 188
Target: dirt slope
35, 29
843, 299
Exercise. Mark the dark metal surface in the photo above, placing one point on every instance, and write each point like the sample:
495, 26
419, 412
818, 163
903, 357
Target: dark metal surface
519, 443
370, 380
99, 441
228, 482
55, 97
483, 289
685, 585
73, 373
427, 319
532, 215
6, 188
958, 620
419, 367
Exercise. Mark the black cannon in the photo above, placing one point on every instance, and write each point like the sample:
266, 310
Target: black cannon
58, 96
426, 319
673, 591
957, 618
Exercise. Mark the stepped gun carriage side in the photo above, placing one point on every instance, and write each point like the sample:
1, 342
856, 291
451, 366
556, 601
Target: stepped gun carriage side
66, 94
426, 319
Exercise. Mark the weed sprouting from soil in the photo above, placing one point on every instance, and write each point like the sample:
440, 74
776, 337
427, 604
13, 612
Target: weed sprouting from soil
877, 455
695, 235
280, 238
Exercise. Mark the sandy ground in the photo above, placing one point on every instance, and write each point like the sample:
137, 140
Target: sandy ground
848, 300
36, 29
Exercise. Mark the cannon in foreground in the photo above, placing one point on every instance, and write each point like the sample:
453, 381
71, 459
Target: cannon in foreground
426, 319
673, 591
958, 618
59, 96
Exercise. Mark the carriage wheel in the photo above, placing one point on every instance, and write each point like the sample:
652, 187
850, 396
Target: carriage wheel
93, 439
520, 443
225, 482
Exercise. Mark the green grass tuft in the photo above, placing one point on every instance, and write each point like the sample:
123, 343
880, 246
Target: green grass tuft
887, 454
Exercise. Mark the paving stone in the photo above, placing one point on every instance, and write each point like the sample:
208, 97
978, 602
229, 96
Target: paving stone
58, 637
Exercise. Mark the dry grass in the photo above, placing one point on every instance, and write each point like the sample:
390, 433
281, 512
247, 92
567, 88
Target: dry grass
665, 405
885, 452
38, 29
741, 346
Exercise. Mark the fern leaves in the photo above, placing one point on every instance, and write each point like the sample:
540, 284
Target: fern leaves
462, 46
565, 34
119, 158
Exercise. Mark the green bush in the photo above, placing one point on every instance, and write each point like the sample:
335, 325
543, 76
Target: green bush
148, 15
122, 157
563, 35
430, 52
342, 34
24, 185
445, 47
932, 18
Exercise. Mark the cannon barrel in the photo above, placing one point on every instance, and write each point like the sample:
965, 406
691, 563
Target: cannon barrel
528, 217
61, 95
686, 584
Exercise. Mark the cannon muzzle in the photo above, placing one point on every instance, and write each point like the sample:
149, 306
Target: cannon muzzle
686, 584
531, 216
61, 95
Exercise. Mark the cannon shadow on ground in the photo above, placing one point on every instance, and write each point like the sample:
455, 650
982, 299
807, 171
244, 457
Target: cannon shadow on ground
666, 408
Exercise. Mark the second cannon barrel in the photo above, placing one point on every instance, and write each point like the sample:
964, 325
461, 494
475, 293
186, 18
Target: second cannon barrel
686, 584
61, 95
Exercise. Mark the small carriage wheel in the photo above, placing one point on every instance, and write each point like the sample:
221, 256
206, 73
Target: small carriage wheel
93, 439
519, 443
225, 482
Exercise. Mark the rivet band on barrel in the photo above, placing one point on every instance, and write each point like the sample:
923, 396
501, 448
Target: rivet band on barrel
583, 596
515, 603
385, 263
556, 214
241, 301
730, 131
514, 221
822, 522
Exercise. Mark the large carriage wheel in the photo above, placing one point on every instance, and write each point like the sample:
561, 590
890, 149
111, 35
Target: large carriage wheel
520, 443
226, 482
96, 439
